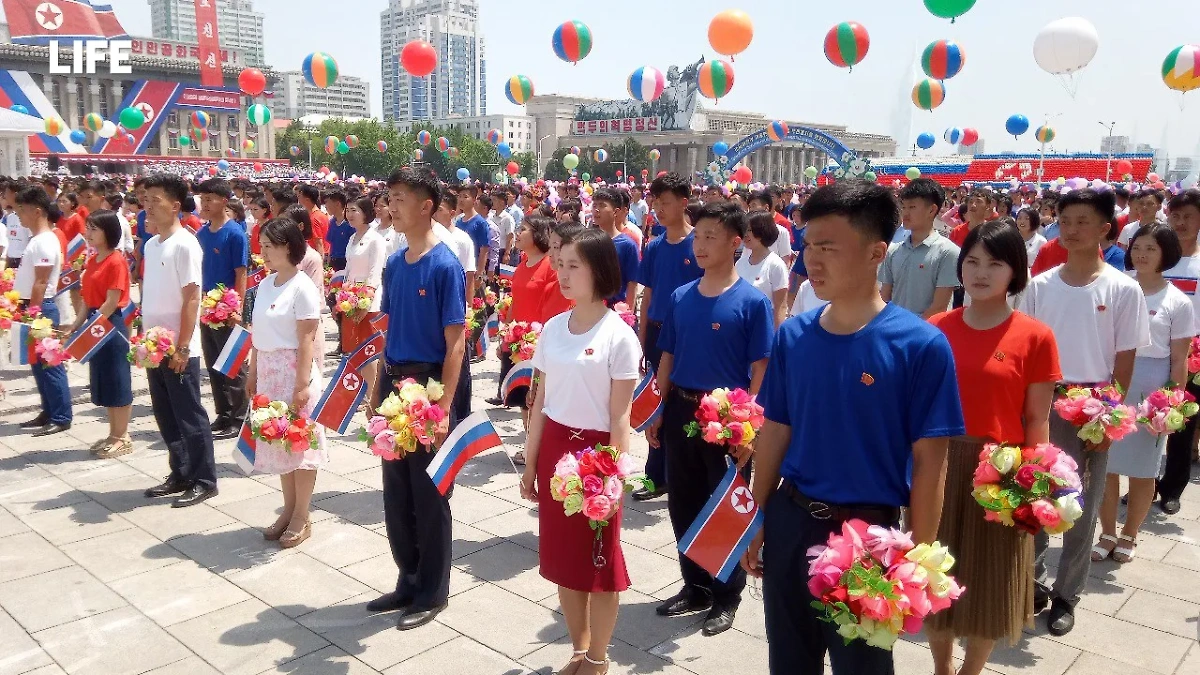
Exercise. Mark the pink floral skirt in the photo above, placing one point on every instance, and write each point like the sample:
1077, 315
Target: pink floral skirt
276, 380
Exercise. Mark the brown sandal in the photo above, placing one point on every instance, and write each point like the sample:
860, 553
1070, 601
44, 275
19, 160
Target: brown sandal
121, 446
275, 531
292, 539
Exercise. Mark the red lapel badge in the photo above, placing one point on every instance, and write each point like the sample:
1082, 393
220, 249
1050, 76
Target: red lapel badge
867, 379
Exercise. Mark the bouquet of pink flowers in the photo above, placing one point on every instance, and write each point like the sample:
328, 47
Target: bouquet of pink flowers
591, 482
503, 307
10, 310
520, 339
151, 348
1193, 360
1097, 411
873, 583
625, 313
8, 277
407, 417
1165, 410
47, 347
219, 306
274, 422
1032, 488
727, 417
353, 300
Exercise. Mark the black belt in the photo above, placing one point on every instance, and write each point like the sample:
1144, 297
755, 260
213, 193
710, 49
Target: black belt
410, 368
872, 513
692, 395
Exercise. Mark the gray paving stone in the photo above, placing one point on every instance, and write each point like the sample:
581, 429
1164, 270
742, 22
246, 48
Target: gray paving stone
297, 584
1184, 555
625, 660
364, 507
120, 642
56, 597
379, 573
238, 488
503, 621
76, 522
192, 665
1160, 612
121, 554
731, 651
1125, 642
39, 494
373, 638
1094, 664
328, 660
447, 659
370, 477
511, 567
10, 524
259, 512
176, 593
638, 625
471, 506
164, 522
229, 549
24, 555
338, 544
247, 638
19, 652
1191, 662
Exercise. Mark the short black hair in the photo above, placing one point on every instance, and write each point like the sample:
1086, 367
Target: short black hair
1102, 202
283, 197
926, 189
485, 200
566, 231
238, 208
337, 196
870, 207
1167, 240
115, 200
762, 226
759, 196
215, 186
107, 222
731, 217
607, 195
1189, 197
310, 192
982, 193
572, 206
539, 229
1149, 192
71, 197
671, 182
33, 195
367, 206
1004, 243
285, 232
299, 215
692, 210
599, 253
172, 185
1035, 218
1121, 192
424, 183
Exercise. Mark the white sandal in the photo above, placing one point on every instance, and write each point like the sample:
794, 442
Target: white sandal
1123, 554
604, 663
1099, 552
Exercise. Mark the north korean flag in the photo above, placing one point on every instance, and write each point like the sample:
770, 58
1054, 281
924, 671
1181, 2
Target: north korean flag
647, 402
36, 22
723, 530
1186, 284
91, 336
380, 323
255, 278
368, 351
67, 280
130, 313
346, 390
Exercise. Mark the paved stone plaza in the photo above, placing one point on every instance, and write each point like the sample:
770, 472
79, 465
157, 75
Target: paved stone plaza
95, 579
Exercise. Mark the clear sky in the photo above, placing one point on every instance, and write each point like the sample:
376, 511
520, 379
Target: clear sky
784, 72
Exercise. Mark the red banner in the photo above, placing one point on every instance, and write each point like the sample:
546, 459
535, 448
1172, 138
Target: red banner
210, 45
210, 99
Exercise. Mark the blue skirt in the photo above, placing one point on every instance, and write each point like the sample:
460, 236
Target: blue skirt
1138, 454
110, 376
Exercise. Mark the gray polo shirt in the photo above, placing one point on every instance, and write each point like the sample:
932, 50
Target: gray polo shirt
916, 272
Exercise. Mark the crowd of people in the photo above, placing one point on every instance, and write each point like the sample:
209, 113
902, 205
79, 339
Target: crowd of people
888, 334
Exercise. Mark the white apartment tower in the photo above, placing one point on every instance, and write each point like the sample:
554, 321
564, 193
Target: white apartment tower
295, 97
238, 25
457, 88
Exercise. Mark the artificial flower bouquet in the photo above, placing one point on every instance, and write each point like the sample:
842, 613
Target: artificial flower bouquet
218, 306
1166, 410
1031, 488
47, 347
407, 417
257, 262
490, 299
10, 310
504, 308
274, 422
8, 277
151, 348
519, 338
1097, 411
874, 584
353, 300
727, 417
1193, 360
592, 481
626, 314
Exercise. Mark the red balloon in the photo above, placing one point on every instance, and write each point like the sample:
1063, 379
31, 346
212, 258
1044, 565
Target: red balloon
252, 81
743, 175
258, 166
1124, 166
969, 136
419, 58
212, 170
618, 173
513, 168
323, 170
645, 172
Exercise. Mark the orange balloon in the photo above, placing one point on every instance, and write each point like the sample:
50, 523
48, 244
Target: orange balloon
730, 32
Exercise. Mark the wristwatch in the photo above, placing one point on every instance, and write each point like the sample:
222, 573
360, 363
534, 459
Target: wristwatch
183, 351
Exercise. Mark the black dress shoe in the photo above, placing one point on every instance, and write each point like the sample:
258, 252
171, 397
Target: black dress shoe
644, 495
1062, 617
1168, 506
59, 428
496, 400
388, 602
1040, 603
415, 618
36, 423
719, 620
220, 424
170, 486
690, 599
194, 495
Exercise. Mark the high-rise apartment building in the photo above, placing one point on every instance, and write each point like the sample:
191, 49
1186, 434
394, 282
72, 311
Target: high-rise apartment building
294, 97
238, 25
457, 88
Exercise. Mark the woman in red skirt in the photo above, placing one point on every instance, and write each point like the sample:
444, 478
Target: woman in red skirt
589, 359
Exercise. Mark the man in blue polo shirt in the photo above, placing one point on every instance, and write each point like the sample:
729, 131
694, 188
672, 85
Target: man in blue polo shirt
226, 254
716, 334
667, 264
606, 204
476, 227
424, 297
861, 399
340, 229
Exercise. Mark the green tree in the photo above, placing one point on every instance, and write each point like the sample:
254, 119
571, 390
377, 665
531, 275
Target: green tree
363, 160
634, 155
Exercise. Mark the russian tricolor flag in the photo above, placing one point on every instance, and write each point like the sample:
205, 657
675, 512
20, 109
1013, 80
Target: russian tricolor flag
723, 530
245, 449
336, 281
647, 402
130, 313
91, 336
471, 437
234, 353
20, 346
479, 347
507, 272
493, 326
521, 375
75, 248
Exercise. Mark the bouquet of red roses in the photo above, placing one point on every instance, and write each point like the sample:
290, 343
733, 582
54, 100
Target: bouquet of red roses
727, 417
520, 339
219, 306
274, 422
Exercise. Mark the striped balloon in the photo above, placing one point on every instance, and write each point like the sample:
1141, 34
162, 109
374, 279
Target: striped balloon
1044, 134
443, 144
1181, 68
452, 152
247, 144
418, 154
646, 83
331, 143
294, 150
943, 59
928, 94
494, 136
55, 126
93, 121
258, 114
198, 134
200, 119
320, 69
572, 41
423, 137
716, 79
777, 130
352, 141
846, 44
600, 155
953, 135
655, 155
381, 146
518, 89
575, 150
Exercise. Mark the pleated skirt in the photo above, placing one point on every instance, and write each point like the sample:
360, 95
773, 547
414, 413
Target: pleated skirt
993, 561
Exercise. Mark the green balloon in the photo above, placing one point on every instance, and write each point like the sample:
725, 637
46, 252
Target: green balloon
869, 176
342, 147
586, 177
913, 173
811, 172
570, 161
184, 141
132, 119
949, 9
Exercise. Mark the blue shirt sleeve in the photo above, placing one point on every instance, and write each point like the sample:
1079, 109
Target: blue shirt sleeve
646, 268
666, 336
629, 263
389, 271
798, 246
239, 249
762, 330
773, 394
454, 292
934, 408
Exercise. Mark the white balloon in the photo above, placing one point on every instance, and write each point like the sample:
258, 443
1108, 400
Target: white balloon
107, 130
1066, 45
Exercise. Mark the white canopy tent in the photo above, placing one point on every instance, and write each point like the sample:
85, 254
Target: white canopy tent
15, 130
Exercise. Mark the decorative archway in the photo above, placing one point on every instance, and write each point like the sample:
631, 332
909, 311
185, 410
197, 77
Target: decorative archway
849, 163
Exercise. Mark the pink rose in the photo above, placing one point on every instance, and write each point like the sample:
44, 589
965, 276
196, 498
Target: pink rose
384, 444
376, 424
875, 607
985, 473
711, 432
567, 467
1046, 514
1093, 407
625, 465
1043, 453
1158, 398
707, 412
613, 487
597, 507
737, 434
739, 397
592, 485
740, 412
823, 579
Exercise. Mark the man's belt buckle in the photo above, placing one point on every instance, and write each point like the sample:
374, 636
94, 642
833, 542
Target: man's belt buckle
820, 510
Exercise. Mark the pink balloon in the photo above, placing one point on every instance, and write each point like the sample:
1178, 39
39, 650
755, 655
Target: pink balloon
1151, 178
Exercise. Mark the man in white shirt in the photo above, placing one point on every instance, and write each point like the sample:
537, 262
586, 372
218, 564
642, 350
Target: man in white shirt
1184, 218
637, 206
1145, 205
446, 229
505, 221
171, 300
16, 235
761, 201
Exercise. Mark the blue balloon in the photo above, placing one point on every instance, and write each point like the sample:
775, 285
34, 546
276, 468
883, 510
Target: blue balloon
21, 109
720, 148
504, 150
222, 165
1017, 125
463, 174
925, 141
78, 137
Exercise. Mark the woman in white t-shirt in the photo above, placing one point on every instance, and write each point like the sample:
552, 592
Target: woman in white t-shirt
589, 357
1172, 326
806, 299
283, 367
1028, 222
761, 266
366, 254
